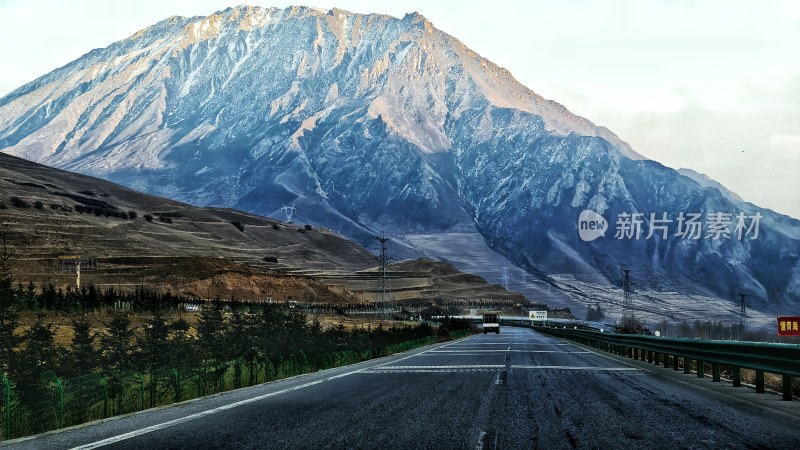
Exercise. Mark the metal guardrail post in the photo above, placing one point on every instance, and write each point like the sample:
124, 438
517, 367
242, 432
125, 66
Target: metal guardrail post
687, 365
60, 403
7, 411
760, 381
141, 390
787, 388
701, 369
737, 377
104, 383
675, 362
177, 386
715, 372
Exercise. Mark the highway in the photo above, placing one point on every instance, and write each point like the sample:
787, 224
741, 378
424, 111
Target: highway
518, 389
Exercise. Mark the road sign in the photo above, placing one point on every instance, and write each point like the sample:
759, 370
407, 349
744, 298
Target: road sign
789, 326
537, 315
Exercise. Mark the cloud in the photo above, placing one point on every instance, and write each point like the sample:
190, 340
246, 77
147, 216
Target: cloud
786, 146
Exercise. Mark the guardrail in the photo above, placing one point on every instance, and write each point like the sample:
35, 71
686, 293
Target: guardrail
762, 357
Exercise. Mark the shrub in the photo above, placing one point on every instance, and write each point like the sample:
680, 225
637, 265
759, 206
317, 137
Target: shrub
132, 214
271, 259
238, 225
54, 206
165, 219
148, 217
88, 192
19, 203
275, 226
3, 205
38, 204
308, 227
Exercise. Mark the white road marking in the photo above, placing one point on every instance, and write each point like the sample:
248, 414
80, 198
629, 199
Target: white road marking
491, 368
488, 343
209, 412
384, 372
463, 366
160, 426
480, 441
592, 369
505, 351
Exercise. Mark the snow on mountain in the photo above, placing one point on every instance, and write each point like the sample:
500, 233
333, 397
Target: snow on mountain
367, 123
705, 181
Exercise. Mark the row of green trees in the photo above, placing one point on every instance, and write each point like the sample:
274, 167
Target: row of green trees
218, 342
89, 297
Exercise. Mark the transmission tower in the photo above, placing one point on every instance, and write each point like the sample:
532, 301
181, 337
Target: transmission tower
627, 302
742, 315
384, 297
288, 211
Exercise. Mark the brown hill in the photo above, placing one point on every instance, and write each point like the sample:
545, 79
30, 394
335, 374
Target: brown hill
144, 240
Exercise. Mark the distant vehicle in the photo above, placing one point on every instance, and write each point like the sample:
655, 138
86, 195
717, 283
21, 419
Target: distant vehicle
491, 322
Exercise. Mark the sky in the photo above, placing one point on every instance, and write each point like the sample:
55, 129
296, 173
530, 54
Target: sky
709, 85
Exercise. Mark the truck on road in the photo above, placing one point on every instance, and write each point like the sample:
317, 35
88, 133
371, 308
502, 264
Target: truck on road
491, 322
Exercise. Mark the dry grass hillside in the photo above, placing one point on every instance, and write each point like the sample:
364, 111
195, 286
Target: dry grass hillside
144, 240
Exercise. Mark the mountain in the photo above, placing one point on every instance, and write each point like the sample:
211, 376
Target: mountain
165, 245
705, 181
370, 124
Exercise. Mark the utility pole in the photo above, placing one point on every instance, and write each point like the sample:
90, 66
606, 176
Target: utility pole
627, 302
384, 291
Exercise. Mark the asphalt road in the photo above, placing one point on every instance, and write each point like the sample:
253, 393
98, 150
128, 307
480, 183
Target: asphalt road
519, 389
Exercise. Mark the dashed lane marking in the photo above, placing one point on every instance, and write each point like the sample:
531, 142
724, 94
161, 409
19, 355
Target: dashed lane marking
492, 368
587, 368
474, 352
460, 366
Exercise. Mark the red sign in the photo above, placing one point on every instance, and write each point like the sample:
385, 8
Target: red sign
789, 326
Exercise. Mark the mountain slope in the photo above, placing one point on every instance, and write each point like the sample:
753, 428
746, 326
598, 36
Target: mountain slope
367, 123
47, 213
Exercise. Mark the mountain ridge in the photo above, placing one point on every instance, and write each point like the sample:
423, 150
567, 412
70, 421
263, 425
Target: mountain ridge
369, 123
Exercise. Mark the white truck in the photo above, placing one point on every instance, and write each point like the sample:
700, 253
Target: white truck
491, 322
